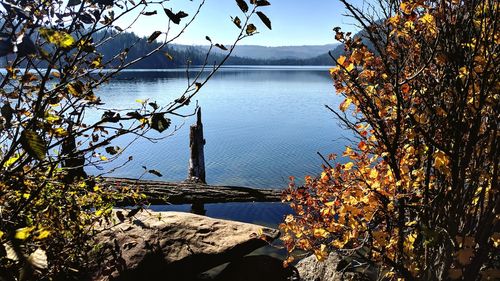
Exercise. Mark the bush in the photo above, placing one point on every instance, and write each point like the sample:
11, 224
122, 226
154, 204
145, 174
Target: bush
417, 194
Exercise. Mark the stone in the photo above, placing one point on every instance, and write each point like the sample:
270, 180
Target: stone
333, 268
172, 245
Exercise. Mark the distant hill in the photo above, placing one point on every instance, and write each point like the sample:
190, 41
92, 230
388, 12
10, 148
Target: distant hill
242, 55
174, 56
282, 52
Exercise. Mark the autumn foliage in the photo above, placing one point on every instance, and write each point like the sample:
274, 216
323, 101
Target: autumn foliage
416, 194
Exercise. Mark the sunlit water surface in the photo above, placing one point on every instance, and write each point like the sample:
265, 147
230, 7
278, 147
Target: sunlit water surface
261, 124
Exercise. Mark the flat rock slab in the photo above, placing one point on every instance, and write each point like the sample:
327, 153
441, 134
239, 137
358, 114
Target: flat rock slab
173, 245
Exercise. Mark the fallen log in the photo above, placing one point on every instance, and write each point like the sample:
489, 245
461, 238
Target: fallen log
160, 192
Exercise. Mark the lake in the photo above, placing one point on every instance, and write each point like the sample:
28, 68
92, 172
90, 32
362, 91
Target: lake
261, 124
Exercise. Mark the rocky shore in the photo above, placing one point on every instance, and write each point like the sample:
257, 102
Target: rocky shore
182, 246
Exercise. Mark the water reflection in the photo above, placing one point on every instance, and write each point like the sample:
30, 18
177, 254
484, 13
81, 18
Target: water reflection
261, 125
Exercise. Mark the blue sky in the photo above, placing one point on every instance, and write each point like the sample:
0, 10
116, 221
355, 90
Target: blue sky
294, 22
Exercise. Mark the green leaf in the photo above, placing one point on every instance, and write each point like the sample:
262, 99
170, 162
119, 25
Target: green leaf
59, 38
264, 19
159, 122
33, 144
251, 29
243, 5
153, 36
176, 18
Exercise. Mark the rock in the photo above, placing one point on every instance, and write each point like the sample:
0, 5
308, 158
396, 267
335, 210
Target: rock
310, 269
333, 268
173, 245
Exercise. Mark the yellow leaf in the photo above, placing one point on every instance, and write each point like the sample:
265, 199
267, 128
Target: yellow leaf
341, 60
99, 212
43, 234
411, 223
406, 7
324, 177
350, 67
393, 20
410, 239
60, 132
321, 253
103, 158
52, 118
348, 166
441, 160
1, 234
59, 38
371, 90
320, 232
345, 104
334, 70
495, 238
330, 204
463, 72
23, 233
11, 161
427, 18
347, 152
409, 25
373, 173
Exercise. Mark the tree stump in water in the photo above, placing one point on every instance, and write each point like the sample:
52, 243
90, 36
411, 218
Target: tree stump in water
196, 172
197, 157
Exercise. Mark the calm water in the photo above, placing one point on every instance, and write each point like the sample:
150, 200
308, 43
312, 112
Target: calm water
261, 125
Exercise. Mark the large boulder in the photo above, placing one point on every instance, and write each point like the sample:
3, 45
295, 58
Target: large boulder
172, 245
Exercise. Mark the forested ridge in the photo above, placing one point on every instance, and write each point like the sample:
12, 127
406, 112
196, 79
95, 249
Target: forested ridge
180, 55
